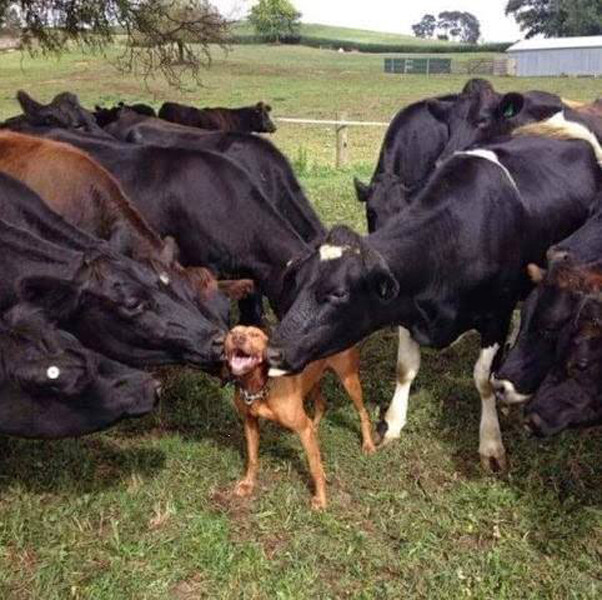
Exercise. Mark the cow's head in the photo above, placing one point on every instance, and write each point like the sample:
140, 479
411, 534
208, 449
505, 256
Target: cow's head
545, 314
571, 394
126, 310
51, 386
342, 290
385, 197
468, 117
260, 118
63, 111
482, 115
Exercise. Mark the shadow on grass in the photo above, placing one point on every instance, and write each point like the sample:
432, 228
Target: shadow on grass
78, 466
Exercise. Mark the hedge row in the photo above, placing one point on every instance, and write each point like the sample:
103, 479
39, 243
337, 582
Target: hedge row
317, 42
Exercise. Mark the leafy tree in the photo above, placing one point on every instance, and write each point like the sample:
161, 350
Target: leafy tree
557, 18
275, 20
170, 37
425, 28
461, 26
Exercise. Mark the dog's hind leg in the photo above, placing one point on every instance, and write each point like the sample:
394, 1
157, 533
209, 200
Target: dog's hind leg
308, 438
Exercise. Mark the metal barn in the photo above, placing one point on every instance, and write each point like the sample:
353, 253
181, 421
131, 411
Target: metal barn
557, 56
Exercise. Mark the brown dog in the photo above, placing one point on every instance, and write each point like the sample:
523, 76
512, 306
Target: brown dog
281, 400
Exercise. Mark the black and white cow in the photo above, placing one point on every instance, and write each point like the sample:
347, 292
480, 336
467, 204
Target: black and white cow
454, 260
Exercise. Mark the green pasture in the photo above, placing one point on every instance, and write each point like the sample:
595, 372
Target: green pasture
348, 34
145, 511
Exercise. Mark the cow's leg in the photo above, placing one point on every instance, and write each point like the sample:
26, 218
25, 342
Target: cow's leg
491, 447
251, 310
408, 363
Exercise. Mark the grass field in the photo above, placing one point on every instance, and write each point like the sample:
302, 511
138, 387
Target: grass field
145, 510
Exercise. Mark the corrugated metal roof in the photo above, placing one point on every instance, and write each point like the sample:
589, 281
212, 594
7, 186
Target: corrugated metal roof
592, 41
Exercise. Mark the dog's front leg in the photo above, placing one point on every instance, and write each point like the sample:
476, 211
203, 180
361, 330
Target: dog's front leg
246, 485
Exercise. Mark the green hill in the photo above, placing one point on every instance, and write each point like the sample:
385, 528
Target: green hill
346, 34
362, 40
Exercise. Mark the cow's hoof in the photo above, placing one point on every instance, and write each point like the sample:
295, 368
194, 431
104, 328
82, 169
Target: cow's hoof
494, 463
318, 503
244, 489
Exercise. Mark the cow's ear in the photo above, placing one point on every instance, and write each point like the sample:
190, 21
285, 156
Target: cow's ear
361, 190
439, 109
380, 277
511, 105
536, 273
268, 108
57, 298
170, 251
29, 106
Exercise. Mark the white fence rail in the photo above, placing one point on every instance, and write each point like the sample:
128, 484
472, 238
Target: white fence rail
341, 125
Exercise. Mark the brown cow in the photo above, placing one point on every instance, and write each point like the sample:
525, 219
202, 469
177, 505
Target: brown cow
86, 195
247, 119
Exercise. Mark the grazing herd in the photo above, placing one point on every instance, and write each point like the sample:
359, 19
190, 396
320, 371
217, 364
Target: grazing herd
127, 234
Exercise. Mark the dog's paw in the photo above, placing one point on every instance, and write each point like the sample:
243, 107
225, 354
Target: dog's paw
244, 488
318, 503
368, 447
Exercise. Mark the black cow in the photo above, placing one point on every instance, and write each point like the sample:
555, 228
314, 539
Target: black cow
452, 261
428, 132
117, 306
413, 143
265, 164
51, 386
106, 116
550, 307
571, 393
211, 206
247, 119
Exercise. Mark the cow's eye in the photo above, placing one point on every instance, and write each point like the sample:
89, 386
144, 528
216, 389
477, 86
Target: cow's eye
134, 306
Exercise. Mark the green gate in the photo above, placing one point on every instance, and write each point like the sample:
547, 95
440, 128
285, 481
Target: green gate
418, 66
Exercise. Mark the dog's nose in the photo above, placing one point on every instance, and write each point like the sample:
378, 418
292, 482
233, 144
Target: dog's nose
238, 338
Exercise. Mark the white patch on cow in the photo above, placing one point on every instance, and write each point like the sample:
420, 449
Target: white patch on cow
164, 278
557, 126
328, 252
506, 392
408, 364
273, 372
491, 157
53, 372
490, 436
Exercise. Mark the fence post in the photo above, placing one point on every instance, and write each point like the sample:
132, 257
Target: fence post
341, 133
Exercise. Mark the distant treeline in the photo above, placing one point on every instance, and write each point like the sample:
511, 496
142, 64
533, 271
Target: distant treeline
377, 48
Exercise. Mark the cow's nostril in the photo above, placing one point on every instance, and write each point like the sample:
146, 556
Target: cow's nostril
275, 356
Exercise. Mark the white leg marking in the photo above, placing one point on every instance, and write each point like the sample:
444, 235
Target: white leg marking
490, 436
408, 363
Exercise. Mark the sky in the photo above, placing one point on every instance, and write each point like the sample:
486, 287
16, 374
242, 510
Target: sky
393, 16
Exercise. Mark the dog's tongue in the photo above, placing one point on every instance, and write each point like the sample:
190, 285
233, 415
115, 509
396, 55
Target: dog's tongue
240, 365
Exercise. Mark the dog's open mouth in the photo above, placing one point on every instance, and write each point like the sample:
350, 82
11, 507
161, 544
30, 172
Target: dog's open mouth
242, 363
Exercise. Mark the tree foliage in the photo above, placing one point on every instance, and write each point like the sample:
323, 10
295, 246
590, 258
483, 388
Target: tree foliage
459, 26
168, 37
275, 20
449, 25
557, 18
425, 28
